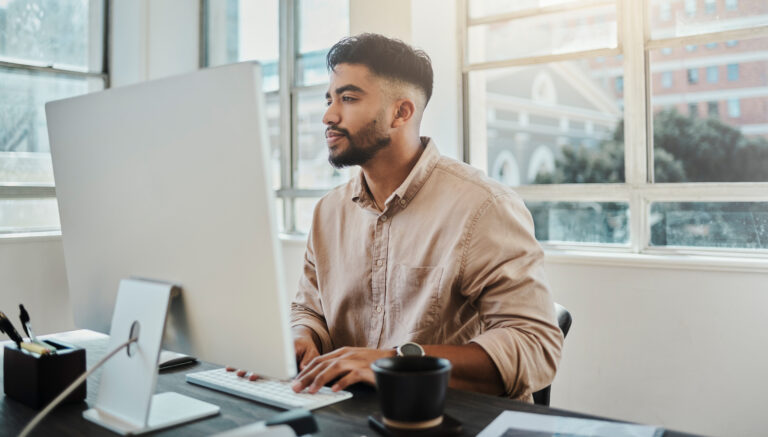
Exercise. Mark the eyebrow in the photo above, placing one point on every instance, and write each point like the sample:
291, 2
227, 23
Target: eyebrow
344, 88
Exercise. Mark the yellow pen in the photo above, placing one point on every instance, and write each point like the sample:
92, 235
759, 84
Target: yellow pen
34, 348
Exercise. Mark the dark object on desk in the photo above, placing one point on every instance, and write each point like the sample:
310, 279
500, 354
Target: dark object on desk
35, 380
7, 327
300, 420
564, 320
449, 427
171, 360
412, 390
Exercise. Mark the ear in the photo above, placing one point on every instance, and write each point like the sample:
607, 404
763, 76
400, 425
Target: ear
404, 111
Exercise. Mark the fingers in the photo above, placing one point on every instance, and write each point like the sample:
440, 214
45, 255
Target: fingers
305, 356
360, 374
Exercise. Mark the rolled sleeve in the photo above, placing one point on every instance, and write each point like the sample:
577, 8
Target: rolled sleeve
307, 307
503, 278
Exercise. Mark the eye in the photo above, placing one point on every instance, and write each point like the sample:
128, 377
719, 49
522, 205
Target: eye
348, 99
327, 103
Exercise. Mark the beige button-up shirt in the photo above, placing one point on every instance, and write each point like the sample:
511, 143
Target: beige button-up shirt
451, 259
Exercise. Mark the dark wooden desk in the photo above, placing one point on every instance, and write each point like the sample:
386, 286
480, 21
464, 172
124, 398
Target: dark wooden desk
348, 418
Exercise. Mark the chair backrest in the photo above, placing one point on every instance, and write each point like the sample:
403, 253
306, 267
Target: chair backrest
564, 320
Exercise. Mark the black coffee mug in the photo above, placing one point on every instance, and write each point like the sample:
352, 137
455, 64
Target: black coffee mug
412, 390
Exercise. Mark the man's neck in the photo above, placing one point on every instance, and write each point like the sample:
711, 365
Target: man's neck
386, 171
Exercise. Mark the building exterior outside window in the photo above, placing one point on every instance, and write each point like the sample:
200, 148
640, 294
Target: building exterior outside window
733, 72
666, 79
693, 76
712, 74
713, 109
734, 108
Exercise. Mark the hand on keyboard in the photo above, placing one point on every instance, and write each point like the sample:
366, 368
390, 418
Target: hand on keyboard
350, 364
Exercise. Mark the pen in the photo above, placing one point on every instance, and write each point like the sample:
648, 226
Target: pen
7, 327
26, 324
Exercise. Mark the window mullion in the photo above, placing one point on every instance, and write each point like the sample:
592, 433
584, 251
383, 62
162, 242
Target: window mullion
632, 34
286, 69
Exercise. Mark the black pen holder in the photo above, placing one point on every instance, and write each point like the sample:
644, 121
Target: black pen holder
35, 379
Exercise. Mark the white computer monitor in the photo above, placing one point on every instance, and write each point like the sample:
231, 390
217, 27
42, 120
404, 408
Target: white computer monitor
170, 180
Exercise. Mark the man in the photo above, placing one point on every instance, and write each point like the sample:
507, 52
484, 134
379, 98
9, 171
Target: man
417, 247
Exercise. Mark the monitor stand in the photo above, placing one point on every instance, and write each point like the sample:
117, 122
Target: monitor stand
126, 403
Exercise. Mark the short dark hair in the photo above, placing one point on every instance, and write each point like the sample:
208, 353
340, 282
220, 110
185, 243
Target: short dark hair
385, 57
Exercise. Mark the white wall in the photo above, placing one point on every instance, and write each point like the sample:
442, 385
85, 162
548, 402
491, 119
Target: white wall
684, 349
681, 348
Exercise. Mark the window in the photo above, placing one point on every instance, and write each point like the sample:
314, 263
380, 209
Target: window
710, 6
693, 76
690, 7
666, 79
665, 10
731, 5
238, 30
624, 180
45, 54
712, 74
713, 109
733, 72
734, 108
693, 110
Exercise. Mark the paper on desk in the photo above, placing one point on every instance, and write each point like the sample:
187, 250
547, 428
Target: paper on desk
517, 424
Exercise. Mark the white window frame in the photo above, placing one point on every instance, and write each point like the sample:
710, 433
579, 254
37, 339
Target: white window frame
16, 190
638, 190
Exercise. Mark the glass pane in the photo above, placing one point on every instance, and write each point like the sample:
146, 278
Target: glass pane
304, 210
548, 34
272, 101
322, 23
28, 215
280, 212
51, 32
710, 224
482, 8
672, 18
549, 123
710, 121
314, 171
581, 222
244, 30
24, 151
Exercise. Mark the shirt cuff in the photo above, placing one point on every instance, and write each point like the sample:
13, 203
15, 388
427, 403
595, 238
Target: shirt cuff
319, 329
497, 345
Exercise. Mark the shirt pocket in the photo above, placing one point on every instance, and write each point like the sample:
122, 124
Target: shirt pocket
416, 296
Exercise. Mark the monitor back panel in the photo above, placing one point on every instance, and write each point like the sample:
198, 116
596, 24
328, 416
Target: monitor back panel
169, 180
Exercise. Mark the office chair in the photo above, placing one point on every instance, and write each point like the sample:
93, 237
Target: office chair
564, 320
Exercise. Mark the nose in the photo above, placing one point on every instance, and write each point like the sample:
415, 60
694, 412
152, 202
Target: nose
331, 116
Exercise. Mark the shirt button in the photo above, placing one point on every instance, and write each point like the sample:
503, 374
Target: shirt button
378, 308
379, 262
383, 218
403, 202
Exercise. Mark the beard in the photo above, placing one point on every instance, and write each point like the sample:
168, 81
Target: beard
362, 146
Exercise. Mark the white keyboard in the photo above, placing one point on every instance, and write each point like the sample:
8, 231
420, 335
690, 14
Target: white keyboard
274, 392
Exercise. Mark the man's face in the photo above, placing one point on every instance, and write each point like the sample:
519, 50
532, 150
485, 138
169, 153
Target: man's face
356, 119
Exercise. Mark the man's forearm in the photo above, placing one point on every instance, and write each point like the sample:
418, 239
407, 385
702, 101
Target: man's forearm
305, 331
473, 368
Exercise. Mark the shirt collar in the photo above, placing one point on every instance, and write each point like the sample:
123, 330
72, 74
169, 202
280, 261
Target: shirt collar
410, 186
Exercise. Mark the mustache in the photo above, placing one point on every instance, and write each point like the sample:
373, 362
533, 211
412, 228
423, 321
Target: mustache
339, 130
